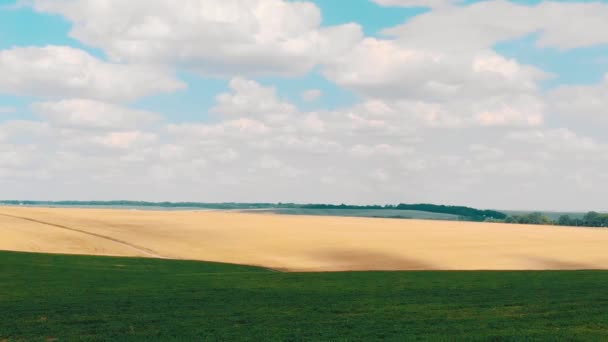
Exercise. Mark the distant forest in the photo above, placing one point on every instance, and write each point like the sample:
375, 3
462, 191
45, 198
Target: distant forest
465, 213
591, 219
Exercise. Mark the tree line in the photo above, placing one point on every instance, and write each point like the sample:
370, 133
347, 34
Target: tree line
590, 219
464, 213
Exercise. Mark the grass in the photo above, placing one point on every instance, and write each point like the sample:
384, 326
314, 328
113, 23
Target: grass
58, 297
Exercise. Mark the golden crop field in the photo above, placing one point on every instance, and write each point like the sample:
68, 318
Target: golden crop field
302, 243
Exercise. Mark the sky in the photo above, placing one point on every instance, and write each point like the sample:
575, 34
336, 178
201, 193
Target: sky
493, 104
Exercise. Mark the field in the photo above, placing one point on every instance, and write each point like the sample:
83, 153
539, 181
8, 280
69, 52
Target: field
145, 296
59, 298
303, 243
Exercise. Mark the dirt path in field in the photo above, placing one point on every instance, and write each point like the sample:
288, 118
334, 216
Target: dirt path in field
303, 243
142, 250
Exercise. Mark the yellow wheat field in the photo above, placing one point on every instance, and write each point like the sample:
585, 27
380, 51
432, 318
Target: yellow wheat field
302, 243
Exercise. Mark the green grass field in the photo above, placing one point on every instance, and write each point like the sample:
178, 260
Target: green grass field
64, 298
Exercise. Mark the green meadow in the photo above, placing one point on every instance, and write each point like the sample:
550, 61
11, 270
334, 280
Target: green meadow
65, 298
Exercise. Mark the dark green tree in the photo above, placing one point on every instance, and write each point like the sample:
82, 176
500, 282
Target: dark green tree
566, 220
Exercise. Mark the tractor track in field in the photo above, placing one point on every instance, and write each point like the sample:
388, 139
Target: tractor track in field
140, 249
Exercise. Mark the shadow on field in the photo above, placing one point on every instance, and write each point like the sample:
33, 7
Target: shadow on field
361, 260
554, 264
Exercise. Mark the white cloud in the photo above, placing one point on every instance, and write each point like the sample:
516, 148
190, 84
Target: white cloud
125, 140
442, 117
379, 150
560, 140
440, 66
60, 71
5, 110
22, 131
483, 24
403, 72
210, 134
483, 152
477, 87
519, 110
410, 72
380, 175
90, 114
586, 102
213, 37
250, 98
376, 151
311, 95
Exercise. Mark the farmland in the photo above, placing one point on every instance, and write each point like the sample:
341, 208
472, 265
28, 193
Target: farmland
264, 276
58, 297
303, 243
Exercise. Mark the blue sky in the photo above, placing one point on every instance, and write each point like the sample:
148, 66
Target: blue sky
250, 95
372, 17
577, 66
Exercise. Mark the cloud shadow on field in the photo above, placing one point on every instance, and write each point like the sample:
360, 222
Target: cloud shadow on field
556, 264
361, 260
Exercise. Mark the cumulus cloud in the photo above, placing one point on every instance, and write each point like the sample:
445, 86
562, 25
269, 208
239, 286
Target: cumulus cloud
442, 66
125, 140
213, 37
581, 101
255, 100
440, 117
559, 140
483, 88
23, 131
402, 72
483, 24
370, 152
5, 110
61, 71
82, 113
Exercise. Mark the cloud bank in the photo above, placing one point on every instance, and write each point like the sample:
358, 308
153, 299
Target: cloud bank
440, 115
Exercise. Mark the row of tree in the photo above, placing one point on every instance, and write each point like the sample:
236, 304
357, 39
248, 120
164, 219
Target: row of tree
464, 213
591, 219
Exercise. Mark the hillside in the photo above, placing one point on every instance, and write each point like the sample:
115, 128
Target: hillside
303, 243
